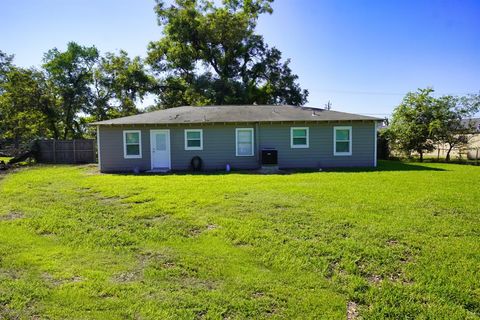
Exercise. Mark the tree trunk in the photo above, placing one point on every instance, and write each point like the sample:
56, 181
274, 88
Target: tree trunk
447, 158
65, 133
421, 156
53, 128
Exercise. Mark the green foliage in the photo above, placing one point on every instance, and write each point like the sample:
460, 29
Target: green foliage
70, 73
422, 120
5, 65
74, 87
118, 83
212, 55
448, 126
397, 240
208, 55
411, 124
27, 107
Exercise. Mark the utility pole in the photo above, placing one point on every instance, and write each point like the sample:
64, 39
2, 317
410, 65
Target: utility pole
328, 105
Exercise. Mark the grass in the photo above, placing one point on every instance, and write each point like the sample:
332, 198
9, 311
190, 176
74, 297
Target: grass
401, 242
5, 159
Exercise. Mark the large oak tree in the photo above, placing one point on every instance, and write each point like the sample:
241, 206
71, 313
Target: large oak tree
70, 73
119, 82
211, 54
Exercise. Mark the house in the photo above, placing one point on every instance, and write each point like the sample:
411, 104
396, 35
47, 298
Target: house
243, 137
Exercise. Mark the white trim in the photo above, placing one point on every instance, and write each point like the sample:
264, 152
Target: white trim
236, 142
186, 140
98, 147
152, 132
349, 153
299, 146
375, 144
139, 156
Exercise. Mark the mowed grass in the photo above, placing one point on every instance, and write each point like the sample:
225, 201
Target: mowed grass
400, 242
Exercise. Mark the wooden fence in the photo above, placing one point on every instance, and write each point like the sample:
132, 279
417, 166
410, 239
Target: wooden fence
67, 151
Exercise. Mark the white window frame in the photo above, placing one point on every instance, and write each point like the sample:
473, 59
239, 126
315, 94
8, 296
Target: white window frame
186, 139
139, 156
349, 153
300, 146
236, 142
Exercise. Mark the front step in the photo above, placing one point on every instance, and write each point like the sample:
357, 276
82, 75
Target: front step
158, 170
269, 169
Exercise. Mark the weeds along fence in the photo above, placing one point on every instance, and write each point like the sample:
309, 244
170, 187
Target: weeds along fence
66, 151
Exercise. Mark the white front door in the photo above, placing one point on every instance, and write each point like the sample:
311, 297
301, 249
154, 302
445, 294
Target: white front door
160, 145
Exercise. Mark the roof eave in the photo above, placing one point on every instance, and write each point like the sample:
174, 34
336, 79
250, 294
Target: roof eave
104, 123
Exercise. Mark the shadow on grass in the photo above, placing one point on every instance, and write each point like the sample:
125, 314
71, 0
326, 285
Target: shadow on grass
390, 165
383, 165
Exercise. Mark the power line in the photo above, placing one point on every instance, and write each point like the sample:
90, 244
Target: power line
377, 93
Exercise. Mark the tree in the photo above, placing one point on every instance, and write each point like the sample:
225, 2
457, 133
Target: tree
27, 109
5, 66
411, 126
448, 126
70, 73
118, 83
212, 55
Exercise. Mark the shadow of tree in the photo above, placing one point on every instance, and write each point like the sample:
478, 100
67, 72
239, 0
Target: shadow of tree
383, 165
390, 165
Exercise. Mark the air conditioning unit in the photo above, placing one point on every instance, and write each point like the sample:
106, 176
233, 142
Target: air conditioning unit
269, 157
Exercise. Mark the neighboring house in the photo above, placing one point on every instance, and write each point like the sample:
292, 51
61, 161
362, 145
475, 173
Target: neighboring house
286, 136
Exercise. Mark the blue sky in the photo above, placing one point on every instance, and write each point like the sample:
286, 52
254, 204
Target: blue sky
362, 55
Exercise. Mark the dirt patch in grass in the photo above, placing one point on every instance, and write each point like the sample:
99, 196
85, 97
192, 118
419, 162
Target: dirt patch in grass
352, 310
11, 216
55, 282
258, 294
128, 276
375, 279
197, 230
9, 274
392, 242
211, 227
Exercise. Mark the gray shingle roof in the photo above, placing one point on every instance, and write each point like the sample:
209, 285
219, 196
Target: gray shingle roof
235, 113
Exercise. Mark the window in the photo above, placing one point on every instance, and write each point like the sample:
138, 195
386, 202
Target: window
132, 144
244, 142
194, 139
342, 141
299, 137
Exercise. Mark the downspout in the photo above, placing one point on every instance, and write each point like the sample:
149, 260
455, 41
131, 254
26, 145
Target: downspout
375, 144
257, 141
98, 148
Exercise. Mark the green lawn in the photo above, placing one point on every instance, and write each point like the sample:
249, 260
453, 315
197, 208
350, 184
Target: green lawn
401, 242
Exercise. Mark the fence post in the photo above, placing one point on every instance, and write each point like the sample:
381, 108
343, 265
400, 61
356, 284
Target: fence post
94, 152
54, 151
74, 152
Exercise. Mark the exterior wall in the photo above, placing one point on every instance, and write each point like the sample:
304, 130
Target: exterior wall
219, 146
320, 151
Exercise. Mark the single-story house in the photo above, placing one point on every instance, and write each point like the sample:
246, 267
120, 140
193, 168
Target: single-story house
241, 137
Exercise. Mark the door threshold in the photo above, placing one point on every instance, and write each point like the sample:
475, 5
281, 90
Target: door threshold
159, 170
